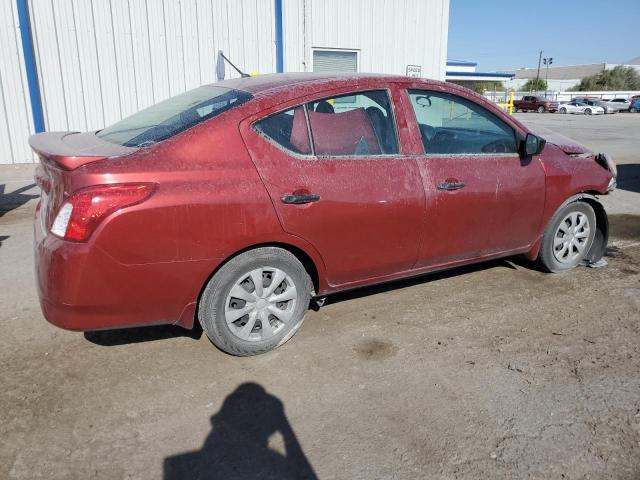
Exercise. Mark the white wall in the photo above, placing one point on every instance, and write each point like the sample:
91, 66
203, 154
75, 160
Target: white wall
388, 34
554, 85
101, 60
15, 107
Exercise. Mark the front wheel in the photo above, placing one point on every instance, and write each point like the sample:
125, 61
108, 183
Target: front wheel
587, 111
563, 110
256, 301
540, 109
568, 237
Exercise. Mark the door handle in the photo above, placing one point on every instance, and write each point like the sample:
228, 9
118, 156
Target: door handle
296, 199
450, 185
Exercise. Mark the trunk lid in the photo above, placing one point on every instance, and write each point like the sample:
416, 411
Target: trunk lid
60, 153
70, 150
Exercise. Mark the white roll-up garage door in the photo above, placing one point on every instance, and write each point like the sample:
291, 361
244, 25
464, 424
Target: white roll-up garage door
335, 61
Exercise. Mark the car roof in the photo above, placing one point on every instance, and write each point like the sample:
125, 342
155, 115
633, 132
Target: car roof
272, 83
284, 87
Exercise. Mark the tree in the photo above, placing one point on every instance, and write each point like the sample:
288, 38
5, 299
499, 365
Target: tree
533, 85
618, 78
481, 87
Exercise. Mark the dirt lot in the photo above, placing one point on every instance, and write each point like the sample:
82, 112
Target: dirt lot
494, 371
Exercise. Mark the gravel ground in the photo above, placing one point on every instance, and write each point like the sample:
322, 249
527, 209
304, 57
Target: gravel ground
491, 371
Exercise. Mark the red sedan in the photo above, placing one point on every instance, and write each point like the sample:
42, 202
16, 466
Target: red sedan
238, 203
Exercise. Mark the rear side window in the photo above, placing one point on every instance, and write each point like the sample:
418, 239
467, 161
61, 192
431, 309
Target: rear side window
356, 124
453, 125
288, 129
174, 115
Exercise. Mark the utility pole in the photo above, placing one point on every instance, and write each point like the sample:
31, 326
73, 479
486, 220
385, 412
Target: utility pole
538, 74
547, 61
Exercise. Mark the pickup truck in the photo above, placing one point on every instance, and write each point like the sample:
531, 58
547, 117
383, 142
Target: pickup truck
538, 104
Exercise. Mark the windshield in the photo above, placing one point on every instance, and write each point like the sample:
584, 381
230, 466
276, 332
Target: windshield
172, 116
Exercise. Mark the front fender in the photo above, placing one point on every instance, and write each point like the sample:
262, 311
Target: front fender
600, 241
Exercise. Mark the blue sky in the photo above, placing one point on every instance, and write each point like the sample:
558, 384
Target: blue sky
503, 34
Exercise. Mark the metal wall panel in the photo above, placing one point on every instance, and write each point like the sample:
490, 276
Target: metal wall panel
388, 34
15, 108
101, 60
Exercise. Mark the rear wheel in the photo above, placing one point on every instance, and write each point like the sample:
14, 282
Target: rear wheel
256, 301
563, 110
568, 237
540, 109
587, 111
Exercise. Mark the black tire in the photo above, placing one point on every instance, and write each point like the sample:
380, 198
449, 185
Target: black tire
211, 309
515, 109
562, 110
546, 257
587, 111
541, 109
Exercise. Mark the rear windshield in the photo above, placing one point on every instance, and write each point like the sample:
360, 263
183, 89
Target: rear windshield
172, 116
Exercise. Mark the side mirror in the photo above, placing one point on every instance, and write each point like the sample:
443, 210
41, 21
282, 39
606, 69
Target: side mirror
532, 145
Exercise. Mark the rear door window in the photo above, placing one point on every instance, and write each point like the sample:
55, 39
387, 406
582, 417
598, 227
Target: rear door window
355, 124
287, 129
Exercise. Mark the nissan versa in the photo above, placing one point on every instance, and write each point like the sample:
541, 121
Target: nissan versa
237, 204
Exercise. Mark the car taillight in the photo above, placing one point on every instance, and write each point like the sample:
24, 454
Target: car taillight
83, 211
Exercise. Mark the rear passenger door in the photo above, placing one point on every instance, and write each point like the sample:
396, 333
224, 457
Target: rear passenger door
337, 178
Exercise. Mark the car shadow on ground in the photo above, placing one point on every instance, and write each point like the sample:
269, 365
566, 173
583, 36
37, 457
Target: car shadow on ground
124, 336
629, 177
509, 262
250, 438
15, 199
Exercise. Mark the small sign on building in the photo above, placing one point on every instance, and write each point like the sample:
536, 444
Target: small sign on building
414, 71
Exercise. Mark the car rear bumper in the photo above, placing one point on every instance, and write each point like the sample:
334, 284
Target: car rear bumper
81, 287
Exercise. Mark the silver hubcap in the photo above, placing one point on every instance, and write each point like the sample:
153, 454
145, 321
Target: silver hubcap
260, 304
570, 240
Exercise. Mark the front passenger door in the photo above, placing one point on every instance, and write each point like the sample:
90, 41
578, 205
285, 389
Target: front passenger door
482, 198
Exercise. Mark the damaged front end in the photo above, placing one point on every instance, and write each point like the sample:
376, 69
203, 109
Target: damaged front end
605, 161
576, 150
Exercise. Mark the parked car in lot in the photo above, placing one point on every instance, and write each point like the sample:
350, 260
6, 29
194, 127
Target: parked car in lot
534, 103
580, 107
237, 204
634, 103
606, 106
621, 104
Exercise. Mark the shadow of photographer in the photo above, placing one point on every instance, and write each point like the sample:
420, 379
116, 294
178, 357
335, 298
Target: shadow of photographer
238, 445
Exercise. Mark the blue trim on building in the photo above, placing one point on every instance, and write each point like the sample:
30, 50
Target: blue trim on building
30, 65
461, 63
279, 45
481, 74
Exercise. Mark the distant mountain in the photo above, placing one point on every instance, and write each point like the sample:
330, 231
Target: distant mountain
634, 61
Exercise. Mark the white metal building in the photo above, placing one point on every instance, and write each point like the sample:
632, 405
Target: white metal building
561, 78
466, 74
96, 61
